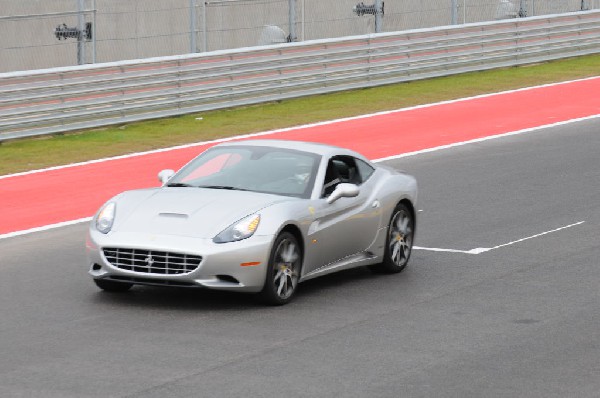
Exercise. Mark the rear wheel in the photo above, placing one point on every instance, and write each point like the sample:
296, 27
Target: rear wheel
112, 286
283, 270
399, 241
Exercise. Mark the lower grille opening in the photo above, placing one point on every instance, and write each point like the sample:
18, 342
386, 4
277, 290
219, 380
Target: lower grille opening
153, 282
228, 278
96, 267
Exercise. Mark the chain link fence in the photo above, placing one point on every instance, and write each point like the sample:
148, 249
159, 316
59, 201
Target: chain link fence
37, 34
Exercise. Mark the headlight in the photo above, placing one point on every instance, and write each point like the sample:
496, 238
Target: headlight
106, 217
239, 230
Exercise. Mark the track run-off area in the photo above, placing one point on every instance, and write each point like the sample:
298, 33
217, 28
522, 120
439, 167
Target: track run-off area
500, 300
40, 199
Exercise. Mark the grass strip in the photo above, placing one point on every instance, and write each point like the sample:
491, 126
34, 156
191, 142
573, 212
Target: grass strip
35, 153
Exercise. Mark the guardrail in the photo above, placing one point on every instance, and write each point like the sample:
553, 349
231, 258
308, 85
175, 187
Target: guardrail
65, 99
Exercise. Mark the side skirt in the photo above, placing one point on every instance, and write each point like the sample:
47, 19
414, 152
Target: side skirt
354, 260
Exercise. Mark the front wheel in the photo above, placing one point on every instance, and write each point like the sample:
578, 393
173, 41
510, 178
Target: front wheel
399, 241
283, 270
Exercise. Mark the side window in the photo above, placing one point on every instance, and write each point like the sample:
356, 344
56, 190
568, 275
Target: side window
364, 169
340, 169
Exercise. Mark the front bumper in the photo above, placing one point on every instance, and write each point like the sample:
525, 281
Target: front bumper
235, 266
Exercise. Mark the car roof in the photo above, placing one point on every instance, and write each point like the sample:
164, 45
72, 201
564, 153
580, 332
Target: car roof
312, 147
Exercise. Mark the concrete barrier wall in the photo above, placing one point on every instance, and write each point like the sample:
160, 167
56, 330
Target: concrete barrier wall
135, 29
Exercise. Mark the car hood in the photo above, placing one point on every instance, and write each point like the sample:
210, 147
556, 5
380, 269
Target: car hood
191, 212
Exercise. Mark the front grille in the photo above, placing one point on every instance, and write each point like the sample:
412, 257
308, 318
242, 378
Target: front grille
152, 262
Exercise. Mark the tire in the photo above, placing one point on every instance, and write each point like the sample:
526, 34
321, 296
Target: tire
399, 241
283, 271
112, 286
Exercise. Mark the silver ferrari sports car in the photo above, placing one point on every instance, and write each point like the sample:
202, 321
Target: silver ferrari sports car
256, 216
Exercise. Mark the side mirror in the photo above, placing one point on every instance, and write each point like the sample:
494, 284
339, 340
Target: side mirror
165, 175
343, 190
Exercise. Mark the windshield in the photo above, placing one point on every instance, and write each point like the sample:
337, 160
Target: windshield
251, 168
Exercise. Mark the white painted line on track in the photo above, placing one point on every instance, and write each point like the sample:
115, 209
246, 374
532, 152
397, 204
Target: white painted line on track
534, 236
480, 250
488, 138
45, 228
437, 249
324, 123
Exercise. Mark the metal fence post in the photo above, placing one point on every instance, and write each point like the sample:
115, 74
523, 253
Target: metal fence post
522, 8
378, 16
302, 37
584, 5
204, 29
376, 10
292, 15
193, 48
454, 12
94, 32
80, 38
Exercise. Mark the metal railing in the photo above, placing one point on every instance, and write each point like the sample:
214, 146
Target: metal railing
65, 99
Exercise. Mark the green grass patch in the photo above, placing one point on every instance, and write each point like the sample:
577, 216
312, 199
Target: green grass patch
29, 154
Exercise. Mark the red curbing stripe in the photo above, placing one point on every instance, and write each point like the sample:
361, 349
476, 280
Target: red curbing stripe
34, 200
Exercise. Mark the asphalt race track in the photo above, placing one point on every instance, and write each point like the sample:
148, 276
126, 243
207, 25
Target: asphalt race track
519, 320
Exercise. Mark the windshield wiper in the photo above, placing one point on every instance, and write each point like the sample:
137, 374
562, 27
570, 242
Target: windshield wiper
228, 187
179, 184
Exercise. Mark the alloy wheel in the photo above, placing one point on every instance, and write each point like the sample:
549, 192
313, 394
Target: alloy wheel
285, 279
400, 238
